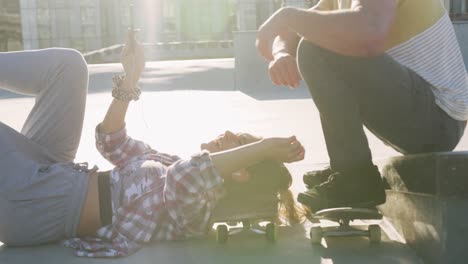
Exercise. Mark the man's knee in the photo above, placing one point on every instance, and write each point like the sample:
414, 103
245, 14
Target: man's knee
307, 50
313, 60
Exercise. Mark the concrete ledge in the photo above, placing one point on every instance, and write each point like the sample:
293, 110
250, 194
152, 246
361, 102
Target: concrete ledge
428, 203
444, 174
436, 228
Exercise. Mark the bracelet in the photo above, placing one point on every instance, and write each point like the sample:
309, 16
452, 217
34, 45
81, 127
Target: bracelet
124, 94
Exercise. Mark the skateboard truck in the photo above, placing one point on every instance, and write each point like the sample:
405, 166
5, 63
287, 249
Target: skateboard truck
223, 231
343, 216
230, 212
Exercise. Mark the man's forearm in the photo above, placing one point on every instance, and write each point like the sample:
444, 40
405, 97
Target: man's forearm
349, 32
286, 43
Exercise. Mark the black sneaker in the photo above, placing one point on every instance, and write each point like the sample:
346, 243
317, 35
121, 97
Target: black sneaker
317, 177
359, 188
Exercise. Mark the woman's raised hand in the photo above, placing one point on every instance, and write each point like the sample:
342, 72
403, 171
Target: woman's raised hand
132, 58
285, 150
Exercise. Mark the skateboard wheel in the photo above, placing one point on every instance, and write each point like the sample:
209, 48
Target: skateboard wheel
375, 233
316, 235
222, 234
271, 232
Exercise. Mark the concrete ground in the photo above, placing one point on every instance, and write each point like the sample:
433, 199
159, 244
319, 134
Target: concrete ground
186, 103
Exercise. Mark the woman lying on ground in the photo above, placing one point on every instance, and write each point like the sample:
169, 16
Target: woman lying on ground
149, 196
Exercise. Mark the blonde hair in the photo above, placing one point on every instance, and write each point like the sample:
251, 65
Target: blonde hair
269, 178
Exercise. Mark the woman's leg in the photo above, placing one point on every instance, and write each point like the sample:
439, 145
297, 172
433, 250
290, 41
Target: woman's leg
41, 199
58, 78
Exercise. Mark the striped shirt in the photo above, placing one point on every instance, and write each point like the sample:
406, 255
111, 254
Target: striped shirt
436, 57
423, 39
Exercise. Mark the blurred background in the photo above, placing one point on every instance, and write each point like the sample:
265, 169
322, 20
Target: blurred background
172, 29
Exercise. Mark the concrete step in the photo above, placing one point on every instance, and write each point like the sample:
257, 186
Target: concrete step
427, 202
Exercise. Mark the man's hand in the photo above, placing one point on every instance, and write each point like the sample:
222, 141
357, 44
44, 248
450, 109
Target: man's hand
283, 70
132, 58
268, 31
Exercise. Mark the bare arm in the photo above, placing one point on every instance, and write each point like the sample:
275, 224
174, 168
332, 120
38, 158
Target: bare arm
282, 68
281, 149
114, 119
287, 41
361, 30
133, 62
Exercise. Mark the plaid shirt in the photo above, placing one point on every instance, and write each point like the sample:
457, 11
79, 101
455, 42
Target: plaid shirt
155, 196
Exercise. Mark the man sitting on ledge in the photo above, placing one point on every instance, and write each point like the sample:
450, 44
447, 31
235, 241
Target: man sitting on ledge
392, 65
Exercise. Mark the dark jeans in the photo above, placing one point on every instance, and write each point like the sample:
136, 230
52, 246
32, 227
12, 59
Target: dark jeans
392, 101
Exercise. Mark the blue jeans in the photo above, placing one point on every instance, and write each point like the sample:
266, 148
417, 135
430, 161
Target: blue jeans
41, 192
392, 101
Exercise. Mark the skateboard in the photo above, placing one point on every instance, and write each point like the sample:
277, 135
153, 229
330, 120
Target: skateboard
229, 213
343, 216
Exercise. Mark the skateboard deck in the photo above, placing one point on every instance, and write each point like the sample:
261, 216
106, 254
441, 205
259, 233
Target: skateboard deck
343, 216
230, 212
